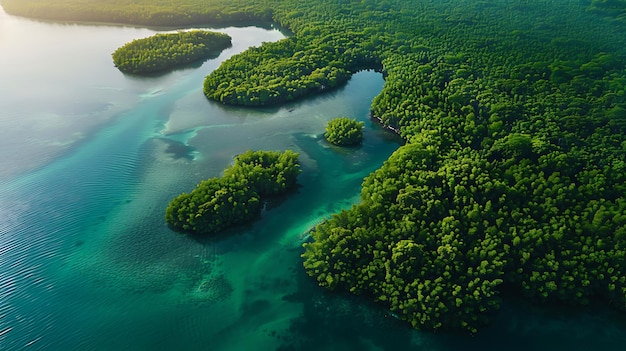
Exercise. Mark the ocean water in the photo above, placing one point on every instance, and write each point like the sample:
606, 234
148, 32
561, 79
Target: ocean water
89, 160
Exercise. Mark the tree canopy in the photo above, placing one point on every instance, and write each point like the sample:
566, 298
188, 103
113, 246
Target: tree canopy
164, 51
344, 131
235, 198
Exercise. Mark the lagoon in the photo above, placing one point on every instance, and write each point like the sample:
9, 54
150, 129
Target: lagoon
90, 159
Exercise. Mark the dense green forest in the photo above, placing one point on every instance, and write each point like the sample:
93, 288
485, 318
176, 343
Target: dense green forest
612, 8
344, 131
513, 177
236, 197
163, 51
146, 12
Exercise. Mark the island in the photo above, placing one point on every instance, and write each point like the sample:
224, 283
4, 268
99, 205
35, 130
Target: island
512, 181
344, 131
164, 51
236, 197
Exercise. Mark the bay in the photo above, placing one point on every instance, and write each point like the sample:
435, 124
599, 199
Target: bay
90, 158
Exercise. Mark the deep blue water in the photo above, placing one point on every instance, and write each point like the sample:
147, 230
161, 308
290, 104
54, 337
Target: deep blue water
90, 158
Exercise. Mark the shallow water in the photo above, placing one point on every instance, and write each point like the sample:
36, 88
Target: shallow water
90, 158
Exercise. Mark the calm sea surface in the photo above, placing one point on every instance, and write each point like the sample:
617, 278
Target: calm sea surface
89, 158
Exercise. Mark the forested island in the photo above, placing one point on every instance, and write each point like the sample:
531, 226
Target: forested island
236, 197
344, 131
163, 51
513, 177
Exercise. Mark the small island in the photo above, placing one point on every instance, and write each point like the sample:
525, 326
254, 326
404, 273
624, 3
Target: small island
344, 131
235, 198
164, 51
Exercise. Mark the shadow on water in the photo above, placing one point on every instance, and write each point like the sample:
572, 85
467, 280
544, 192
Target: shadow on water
341, 321
178, 150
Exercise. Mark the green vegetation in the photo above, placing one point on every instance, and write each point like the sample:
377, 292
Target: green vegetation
612, 8
290, 69
235, 198
267, 172
344, 131
513, 177
145, 12
164, 51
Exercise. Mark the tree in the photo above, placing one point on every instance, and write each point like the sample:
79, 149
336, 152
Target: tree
344, 131
163, 51
235, 198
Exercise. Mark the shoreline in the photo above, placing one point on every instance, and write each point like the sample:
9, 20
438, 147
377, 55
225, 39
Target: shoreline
260, 23
387, 127
207, 25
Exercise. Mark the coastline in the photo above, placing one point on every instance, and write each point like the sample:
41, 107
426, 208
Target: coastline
72, 19
390, 128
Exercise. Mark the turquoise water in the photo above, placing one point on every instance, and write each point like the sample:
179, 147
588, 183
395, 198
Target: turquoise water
90, 158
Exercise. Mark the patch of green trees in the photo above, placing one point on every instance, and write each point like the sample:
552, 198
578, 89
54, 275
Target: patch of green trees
288, 69
513, 175
344, 131
163, 51
236, 197
612, 8
144, 12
